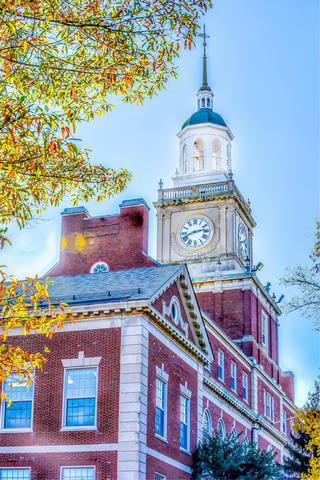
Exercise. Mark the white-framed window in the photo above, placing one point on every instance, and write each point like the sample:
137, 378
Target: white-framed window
272, 409
99, 267
198, 154
284, 421
175, 311
161, 408
221, 429
15, 473
216, 154
264, 329
77, 473
184, 160
245, 442
233, 376
80, 398
158, 476
206, 423
184, 422
221, 365
234, 433
17, 407
267, 404
245, 387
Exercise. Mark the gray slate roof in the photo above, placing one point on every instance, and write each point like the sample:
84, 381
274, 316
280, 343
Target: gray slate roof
133, 284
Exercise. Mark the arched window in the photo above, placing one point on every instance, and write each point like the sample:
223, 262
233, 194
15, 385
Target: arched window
198, 155
206, 423
208, 102
184, 160
203, 102
99, 267
216, 154
245, 442
221, 429
234, 433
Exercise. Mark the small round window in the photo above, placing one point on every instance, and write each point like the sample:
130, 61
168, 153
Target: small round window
99, 267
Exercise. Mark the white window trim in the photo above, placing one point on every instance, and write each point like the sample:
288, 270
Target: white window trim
16, 430
235, 376
185, 450
264, 330
244, 375
185, 392
222, 366
77, 466
17, 468
267, 406
97, 263
81, 361
164, 377
64, 428
163, 477
272, 408
206, 410
284, 421
221, 422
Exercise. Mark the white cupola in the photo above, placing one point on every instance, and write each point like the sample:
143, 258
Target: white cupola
205, 140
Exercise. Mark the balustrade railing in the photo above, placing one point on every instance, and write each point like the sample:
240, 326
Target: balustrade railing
196, 190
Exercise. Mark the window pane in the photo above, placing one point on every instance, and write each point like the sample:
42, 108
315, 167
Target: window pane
19, 390
18, 415
80, 412
78, 473
81, 382
160, 388
14, 474
183, 435
183, 409
159, 426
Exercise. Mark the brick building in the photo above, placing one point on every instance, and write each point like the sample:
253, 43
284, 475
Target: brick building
161, 352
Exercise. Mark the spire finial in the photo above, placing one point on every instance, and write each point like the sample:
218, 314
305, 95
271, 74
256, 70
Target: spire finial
204, 58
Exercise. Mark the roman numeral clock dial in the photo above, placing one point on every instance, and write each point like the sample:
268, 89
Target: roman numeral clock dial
196, 232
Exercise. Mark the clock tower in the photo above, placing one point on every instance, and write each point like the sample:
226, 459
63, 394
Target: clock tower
204, 220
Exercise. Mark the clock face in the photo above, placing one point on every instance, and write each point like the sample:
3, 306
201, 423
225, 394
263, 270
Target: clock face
243, 243
196, 232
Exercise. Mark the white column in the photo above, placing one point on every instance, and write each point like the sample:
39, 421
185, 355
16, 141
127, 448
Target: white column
200, 402
133, 399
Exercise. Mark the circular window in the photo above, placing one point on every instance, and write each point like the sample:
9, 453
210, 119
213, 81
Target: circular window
99, 267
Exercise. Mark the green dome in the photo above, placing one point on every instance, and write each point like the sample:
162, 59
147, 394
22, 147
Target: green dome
204, 115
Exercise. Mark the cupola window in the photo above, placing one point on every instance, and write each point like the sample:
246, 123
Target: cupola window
216, 154
198, 155
99, 267
208, 103
203, 102
184, 160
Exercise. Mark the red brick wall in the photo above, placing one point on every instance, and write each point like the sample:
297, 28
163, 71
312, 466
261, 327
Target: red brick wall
216, 413
238, 313
155, 465
48, 388
228, 357
179, 372
287, 383
261, 387
46, 466
118, 240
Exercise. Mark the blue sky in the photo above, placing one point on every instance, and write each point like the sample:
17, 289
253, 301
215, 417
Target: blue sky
263, 63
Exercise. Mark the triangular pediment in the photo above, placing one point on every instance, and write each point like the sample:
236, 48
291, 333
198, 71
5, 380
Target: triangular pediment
176, 304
